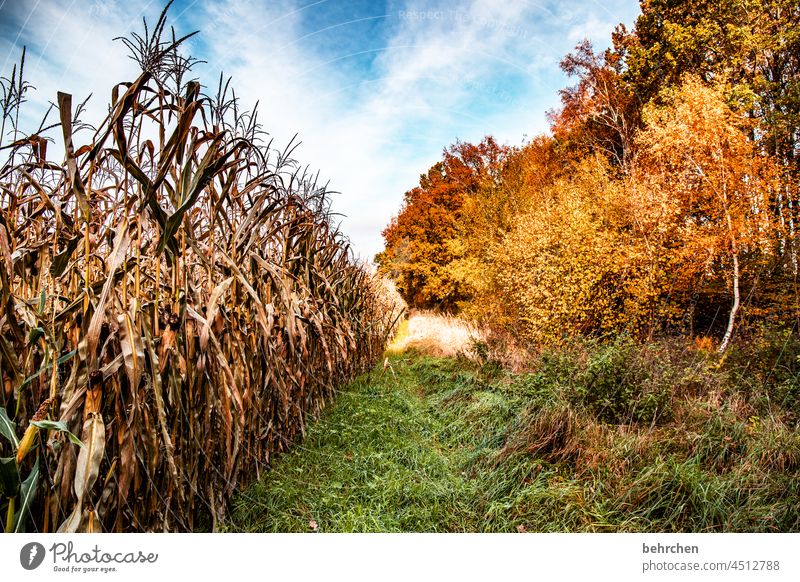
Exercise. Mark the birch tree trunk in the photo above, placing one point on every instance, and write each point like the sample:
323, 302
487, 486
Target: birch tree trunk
726, 340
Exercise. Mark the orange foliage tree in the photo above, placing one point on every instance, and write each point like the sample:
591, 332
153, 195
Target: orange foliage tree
420, 239
657, 203
714, 191
600, 113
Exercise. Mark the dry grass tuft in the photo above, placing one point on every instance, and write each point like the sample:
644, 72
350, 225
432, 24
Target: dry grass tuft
551, 434
436, 335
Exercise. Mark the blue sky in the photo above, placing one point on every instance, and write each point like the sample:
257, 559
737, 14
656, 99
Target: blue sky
375, 90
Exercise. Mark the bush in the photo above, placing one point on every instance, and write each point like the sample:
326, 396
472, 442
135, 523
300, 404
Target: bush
622, 383
766, 367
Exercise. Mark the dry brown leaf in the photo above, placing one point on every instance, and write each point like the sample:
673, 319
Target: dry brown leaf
132, 350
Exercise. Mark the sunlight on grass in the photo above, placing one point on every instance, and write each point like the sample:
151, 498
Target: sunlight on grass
435, 334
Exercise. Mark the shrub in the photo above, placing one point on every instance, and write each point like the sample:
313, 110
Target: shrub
622, 382
767, 368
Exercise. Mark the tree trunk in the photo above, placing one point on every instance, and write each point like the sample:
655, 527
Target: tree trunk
732, 318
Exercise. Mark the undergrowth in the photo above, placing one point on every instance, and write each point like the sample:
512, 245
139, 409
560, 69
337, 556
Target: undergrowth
600, 437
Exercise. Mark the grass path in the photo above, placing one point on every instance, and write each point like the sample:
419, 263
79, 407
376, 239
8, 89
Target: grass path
375, 461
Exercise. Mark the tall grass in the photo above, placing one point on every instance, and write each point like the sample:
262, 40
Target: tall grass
175, 293
447, 444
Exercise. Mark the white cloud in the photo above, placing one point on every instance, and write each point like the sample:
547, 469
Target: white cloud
72, 50
442, 73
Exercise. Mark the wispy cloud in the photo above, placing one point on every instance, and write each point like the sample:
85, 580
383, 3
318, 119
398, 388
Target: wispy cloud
375, 91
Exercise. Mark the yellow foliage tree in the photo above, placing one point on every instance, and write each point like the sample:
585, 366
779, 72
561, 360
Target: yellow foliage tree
705, 190
571, 265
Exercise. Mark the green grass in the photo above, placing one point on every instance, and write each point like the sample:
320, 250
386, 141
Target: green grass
446, 445
374, 462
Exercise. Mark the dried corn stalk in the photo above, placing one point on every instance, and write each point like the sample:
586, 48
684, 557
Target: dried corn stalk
181, 292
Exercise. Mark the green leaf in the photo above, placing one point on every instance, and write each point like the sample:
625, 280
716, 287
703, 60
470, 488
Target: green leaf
8, 429
66, 357
34, 335
9, 477
47, 368
27, 493
60, 426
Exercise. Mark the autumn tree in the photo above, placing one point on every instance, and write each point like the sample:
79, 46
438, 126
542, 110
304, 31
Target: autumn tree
420, 241
600, 112
668, 191
755, 46
715, 189
489, 213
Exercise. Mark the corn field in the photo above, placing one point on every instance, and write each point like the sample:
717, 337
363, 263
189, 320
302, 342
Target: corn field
176, 303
